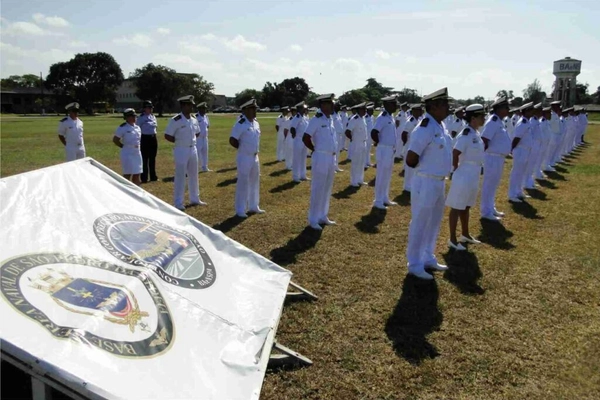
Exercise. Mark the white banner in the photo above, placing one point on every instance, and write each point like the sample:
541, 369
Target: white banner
125, 296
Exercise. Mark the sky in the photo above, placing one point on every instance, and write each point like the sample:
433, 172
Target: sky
471, 47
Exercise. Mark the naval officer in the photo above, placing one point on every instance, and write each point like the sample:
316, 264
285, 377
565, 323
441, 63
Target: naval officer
521, 149
202, 140
370, 120
70, 133
149, 144
409, 125
384, 138
356, 132
128, 137
298, 126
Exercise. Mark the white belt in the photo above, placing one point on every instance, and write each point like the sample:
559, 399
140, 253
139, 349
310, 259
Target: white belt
130, 146
436, 177
495, 154
324, 152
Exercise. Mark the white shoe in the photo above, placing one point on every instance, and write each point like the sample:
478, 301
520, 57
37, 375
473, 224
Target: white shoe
391, 203
379, 207
549, 169
241, 215
499, 213
463, 239
422, 275
490, 218
316, 227
458, 247
206, 170
327, 221
339, 170
356, 186
437, 267
199, 203
364, 183
257, 211
305, 179
180, 208
515, 200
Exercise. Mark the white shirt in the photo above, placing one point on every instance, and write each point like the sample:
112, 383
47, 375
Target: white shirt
523, 132
369, 121
130, 135
535, 129
433, 146
471, 147
386, 127
499, 141
337, 123
72, 130
280, 121
409, 126
184, 130
299, 123
323, 133
248, 135
358, 126
204, 123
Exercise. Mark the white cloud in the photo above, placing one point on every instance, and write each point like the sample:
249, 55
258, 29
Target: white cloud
239, 43
382, 54
22, 28
138, 39
56, 22
78, 44
296, 48
347, 64
184, 63
208, 36
49, 56
194, 48
163, 31
285, 60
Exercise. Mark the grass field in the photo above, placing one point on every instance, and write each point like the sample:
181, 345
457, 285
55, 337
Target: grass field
515, 317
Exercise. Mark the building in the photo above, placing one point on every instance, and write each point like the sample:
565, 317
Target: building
125, 96
566, 71
27, 100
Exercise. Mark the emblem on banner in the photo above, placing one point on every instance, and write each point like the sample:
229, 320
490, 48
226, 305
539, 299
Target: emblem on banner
175, 255
93, 302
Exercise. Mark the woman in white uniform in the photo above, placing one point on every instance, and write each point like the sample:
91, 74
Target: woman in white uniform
467, 160
128, 136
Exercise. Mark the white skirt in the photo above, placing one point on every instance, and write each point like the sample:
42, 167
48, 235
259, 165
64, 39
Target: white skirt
464, 187
131, 161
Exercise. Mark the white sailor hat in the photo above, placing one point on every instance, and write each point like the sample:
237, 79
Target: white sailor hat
416, 106
300, 105
405, 104
252, 103
186, 99
567, 109
370, 105
201, 105
72, 106
361, 105
527, 106
437, 95
500, 102
390, 99
546, 109
343, 108
475, 109
326, 97
555, 103
460, 109
538, 106
129, 112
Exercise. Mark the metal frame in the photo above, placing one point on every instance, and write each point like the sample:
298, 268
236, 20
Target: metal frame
287, 357
300, 294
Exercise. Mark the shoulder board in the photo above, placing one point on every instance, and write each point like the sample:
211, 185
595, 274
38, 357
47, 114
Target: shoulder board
280, 116
466, 131
318, 115
142, 114
384, 113
192, 116
543, 119
424, 123
298, 115
123, 124
242, 120
412, 118
64, 119
355, 117
494, 118
177, 117
524, 120
457, 120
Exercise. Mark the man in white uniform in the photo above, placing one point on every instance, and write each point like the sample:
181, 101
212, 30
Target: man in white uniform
321, 138
279, 127
400, 120
430, 153
546, 140
409, 125
182, 130
298, 126
288, 142
339, 130
128, 138
356, 132
70, 133
245, 137
370, 120
536, 147
497, 146
521, 149
202, 141
384, 138
556, 129
344, 144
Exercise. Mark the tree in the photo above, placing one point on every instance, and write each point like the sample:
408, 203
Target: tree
597, 95
21, 81
294, 90
409, 95
88, 78
581, 94
533, 92
375, 90
353, 97
156, 83
271, 95
505, 93
196, 85
517, 102
479, 100
247, 94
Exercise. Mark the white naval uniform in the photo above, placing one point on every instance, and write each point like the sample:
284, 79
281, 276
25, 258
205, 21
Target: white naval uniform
401, 120
247, 191
281, 137
202, 141
131, 155
369, 121
584, 123
556, 129
520, 157
299, 123
465, 180
386, 127
493, 163
186, 157
72, 131
408, 126
324, 139
344, 144
546, 140
434, 148
339, 130
571, 127
289, 144
358, 148
534, 154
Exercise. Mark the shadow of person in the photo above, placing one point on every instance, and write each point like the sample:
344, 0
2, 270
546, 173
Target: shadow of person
287, 254
463, 272
283, 187
526, 210
370, 223
560, 169
415, 316
280, 172
228, 224
222, 170
227, 182
537, 194
545, 183
403, 199
495, 234
346, 161
346, 192
372, 182
169, 179
555, 176
271, 163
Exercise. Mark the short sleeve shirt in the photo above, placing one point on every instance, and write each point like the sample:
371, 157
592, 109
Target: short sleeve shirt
184, 130
386, 127
248, 135
495, 132
358, 126
72, 130
130, 135
433, 146
522, 131
147, 124
322, 132
471, 147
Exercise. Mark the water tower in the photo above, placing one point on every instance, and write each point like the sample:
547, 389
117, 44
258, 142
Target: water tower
566, 71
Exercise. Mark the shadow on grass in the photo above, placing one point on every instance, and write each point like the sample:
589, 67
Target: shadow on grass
228, 224
547, 184
463, 271
345, 162
223, 170
267, 164
555, 176
227, 182
280, 172
403, 199
560, 169
284, 187
370, 223
372, 182
537, 194
169, 179
415, 316
495, 234
346, 193
287, 254
526, 210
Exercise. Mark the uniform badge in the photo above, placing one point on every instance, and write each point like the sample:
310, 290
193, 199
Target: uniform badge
90, 301
175, 255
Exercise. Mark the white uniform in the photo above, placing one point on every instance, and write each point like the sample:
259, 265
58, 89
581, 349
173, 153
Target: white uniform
289, 144
202, 141
584, 124
281, 137
386, 127
408, 127
370, 122
184, 131
358, 148
343, 144
520, 157
493, 163
546, 140
339, 130
131, 155
465, 180
433, 146
299, 123
324, 138
556, 129
247, 191
400, 120
72, 131
534, 154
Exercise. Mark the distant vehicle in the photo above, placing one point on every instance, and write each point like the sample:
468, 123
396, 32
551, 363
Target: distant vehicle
266, 109
276, 109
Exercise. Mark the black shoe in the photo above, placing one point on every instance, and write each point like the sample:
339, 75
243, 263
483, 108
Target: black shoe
154, 179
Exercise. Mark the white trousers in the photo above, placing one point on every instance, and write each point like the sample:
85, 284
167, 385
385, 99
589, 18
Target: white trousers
399, 146
299, 164
340, 140
323, 170
186, 162
546, 153
555, 148
202, 150
492, 174
289, 151
408, 176
427, 210
247, 190
517, 174
532, 163
359, 153
383, 176
280, 145
369, 147
539, 166
74, 152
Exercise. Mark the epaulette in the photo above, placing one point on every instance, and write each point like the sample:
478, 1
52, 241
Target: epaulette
412, 119
384, 113
177, 117
298, 115
64, 119
524, 120
424, 123
494, 118
123, 124
457, 120
543, 119
466, 131
280, 116
141, 115
355, 117
242, 120
318, 115
193, 116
